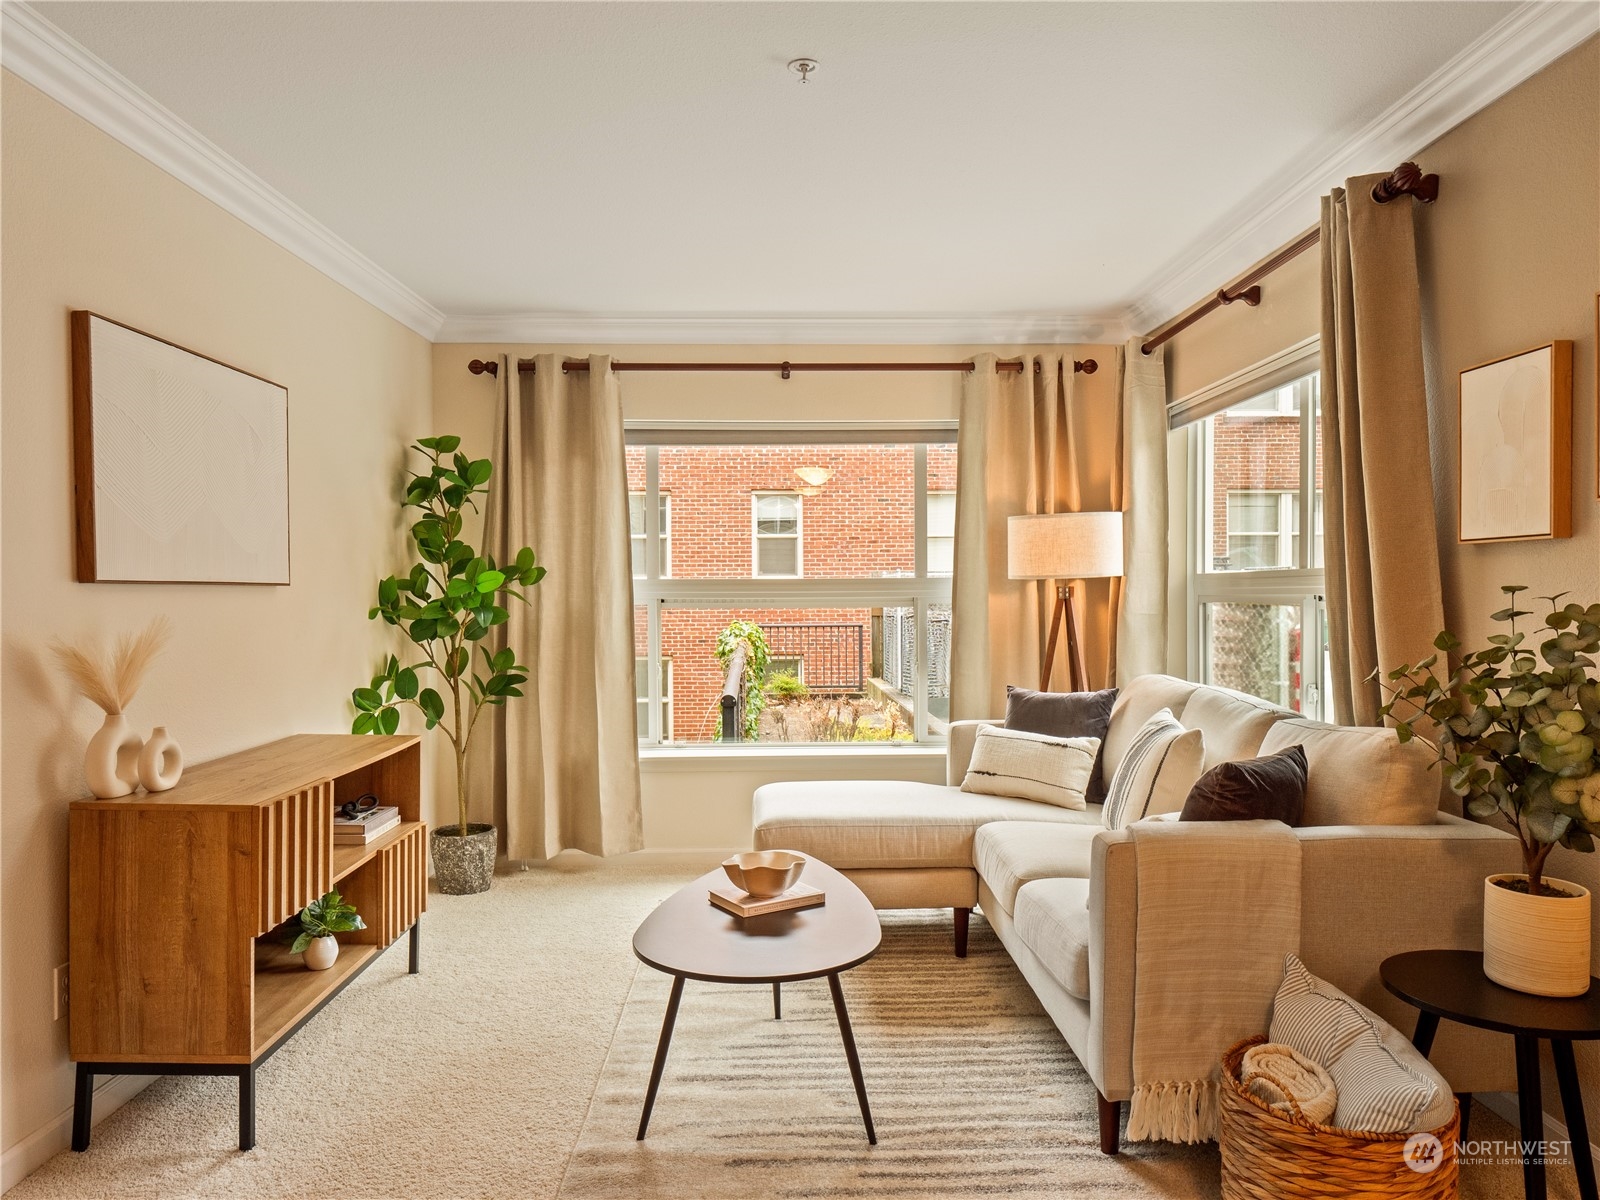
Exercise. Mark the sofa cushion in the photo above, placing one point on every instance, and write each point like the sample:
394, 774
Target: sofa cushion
862, 823
1065, 715
1233, 723
1031, 766
1361, 775
1052, 920
1010, 855
1157, 773
1137, 702
1271, 788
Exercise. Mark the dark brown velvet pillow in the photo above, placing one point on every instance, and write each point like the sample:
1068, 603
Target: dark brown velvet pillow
1253, 789
1065, 715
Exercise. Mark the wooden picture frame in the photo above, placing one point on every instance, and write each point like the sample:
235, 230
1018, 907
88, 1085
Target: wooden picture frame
180, 462
1514, 447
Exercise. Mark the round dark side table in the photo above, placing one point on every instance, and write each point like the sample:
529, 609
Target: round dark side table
1451, 984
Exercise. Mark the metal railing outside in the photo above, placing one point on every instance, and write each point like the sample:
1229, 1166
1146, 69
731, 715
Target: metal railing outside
833, 657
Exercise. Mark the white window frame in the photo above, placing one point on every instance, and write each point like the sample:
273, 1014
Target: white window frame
664, 700
798, 536
665, 534
918, 591
929, 538
1283, 534
1302, 585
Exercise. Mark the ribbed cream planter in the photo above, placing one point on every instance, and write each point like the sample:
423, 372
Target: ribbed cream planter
1536, 944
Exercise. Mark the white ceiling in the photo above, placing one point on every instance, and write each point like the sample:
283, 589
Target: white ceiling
658, 158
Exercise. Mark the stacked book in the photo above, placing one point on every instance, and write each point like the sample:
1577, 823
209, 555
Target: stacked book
358, 831
741, 904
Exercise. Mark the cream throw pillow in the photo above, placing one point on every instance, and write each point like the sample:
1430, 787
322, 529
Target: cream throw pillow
1031, 766
1163, 762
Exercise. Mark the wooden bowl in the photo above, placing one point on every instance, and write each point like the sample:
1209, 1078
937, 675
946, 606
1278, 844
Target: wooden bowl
765, 873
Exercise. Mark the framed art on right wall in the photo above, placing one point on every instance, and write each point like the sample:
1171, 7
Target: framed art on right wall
1515, 449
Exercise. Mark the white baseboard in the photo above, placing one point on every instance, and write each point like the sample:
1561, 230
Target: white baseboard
44, 1143
1504, 1106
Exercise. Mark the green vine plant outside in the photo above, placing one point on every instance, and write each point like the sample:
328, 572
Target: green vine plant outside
1517, 734
757, 655
447, 604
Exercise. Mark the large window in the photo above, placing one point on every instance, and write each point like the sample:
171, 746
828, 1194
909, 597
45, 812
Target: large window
832, 542
1256, 614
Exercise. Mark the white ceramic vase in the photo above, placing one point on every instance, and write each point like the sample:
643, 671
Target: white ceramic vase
111, 762
1536, 944
321, 953
160, 762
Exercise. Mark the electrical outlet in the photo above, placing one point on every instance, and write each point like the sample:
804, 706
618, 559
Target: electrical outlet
62, 981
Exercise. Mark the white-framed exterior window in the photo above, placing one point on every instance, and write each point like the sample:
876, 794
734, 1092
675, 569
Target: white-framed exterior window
941, 533
776, 535
825, 581
1256, 615
642, 698
636, 533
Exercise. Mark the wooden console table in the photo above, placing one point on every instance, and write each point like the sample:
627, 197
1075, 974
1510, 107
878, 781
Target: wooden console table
176, 898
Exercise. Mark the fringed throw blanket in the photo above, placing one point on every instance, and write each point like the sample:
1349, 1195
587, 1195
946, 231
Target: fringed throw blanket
1219, 907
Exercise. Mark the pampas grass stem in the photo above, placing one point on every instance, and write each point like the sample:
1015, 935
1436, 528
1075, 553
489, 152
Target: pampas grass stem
110, 681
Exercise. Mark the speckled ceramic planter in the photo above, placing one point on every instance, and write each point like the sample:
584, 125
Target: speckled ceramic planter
463, 866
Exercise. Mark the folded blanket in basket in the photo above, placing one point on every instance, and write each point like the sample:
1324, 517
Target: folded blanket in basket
1276, 1074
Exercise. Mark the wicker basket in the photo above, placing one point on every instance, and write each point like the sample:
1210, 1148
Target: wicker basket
1267, 1155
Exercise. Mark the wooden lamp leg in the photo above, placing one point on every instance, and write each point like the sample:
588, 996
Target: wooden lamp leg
1055, 630
1077, 673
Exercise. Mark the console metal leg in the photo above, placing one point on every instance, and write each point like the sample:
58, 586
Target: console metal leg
247, 1108
1577, 1122
852, 1056
1530, 1106
82, 1107
661, 1055
416, 946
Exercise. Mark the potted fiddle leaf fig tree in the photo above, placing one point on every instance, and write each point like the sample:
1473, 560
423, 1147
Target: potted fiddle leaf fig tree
447, 604
1518, 730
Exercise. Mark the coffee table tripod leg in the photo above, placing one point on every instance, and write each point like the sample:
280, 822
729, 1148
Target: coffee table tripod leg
661, 1055
777, 1001
1577, 1124
850, 1053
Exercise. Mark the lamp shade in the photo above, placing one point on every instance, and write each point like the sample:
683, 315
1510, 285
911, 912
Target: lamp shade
1064, 546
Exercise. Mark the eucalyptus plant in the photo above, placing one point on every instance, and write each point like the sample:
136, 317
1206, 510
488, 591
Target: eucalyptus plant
1517, 729
447, 604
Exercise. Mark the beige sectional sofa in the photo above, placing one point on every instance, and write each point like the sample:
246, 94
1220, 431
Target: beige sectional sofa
1382, 870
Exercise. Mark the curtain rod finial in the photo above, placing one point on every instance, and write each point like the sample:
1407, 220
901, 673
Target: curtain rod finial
478, 367
1407, 180
1088, 366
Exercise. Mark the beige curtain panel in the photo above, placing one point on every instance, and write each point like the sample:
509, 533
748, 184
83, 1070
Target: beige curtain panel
1382, 552
564, 759
1142, 622
1029, 443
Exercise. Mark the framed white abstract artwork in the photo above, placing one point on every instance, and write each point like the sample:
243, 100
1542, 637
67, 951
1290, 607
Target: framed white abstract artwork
181, 463
1515, 461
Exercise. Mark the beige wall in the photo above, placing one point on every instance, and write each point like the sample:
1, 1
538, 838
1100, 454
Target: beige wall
1510, 258
690, 804
88, 224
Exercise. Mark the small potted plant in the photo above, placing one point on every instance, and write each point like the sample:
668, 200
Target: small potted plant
1518, 730
319, 921
448, 604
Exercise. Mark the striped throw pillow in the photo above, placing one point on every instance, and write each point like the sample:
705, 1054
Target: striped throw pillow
1031, 766
1161, 766
1384, 1084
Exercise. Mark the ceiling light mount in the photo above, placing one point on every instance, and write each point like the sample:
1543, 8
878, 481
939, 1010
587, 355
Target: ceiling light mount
803, 68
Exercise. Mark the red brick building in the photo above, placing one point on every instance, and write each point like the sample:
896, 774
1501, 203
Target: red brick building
781, 512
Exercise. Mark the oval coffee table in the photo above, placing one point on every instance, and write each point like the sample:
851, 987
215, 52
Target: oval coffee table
688, 937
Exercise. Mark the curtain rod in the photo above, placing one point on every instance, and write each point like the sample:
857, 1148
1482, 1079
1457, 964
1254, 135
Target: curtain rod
478, 366
1405, 180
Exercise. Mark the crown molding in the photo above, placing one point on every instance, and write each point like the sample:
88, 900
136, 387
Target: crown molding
1521, 45
860, 329
41, 54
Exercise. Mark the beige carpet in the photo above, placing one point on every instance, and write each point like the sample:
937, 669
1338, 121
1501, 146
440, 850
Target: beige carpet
475, 1079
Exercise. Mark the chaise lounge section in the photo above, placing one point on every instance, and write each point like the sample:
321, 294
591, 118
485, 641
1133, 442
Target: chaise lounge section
1382, 870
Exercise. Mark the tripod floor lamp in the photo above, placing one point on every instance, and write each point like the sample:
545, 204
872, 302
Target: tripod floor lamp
1064, 546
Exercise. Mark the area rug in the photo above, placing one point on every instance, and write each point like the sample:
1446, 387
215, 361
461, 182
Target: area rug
973, 1090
